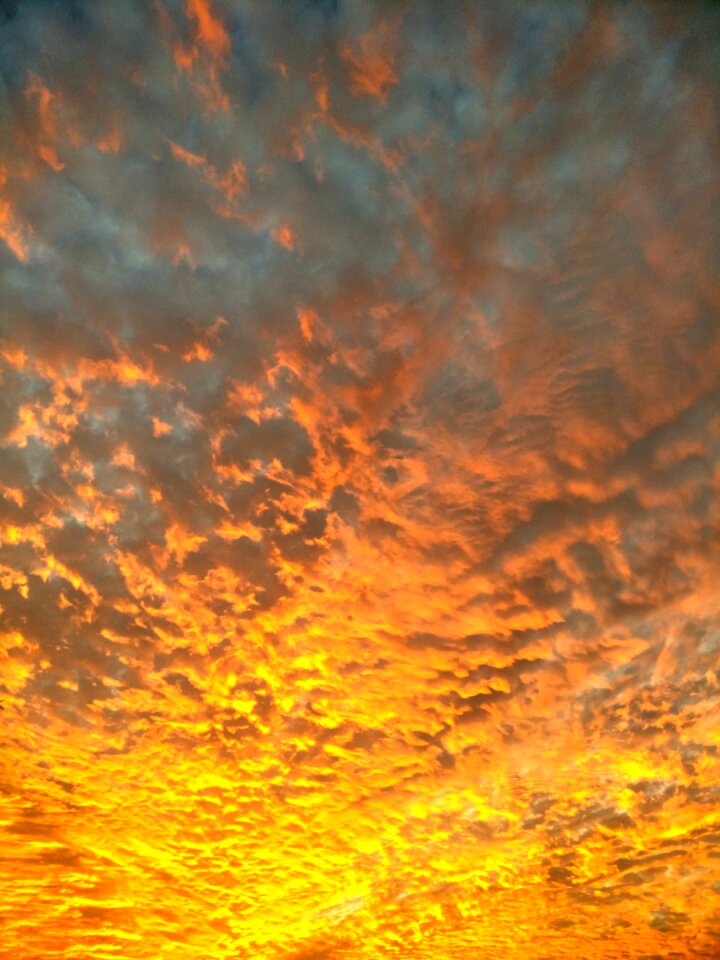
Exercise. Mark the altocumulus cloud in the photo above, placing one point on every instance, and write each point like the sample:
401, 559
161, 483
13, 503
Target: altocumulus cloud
360, 456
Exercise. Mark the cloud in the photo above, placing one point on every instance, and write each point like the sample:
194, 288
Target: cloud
358, 516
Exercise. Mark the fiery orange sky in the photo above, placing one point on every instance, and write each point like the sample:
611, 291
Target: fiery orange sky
359, 533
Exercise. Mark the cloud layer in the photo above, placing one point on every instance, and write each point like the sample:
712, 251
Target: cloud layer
360, 526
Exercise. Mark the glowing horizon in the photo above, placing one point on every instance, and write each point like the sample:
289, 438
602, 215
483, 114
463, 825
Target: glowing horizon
359, 548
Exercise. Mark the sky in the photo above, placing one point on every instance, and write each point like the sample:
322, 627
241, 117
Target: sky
359, 515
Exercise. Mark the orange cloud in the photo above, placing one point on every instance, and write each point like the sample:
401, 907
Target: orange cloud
47, 112
12, 232
283, 235
372, 69
208, 54
211, 32
360, 602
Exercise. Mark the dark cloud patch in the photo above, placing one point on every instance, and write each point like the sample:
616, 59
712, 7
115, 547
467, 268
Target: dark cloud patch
280, 437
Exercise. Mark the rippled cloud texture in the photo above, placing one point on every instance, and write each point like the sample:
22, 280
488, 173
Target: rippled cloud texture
360, 465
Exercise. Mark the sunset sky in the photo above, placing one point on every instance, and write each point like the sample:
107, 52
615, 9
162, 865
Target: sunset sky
359, 480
